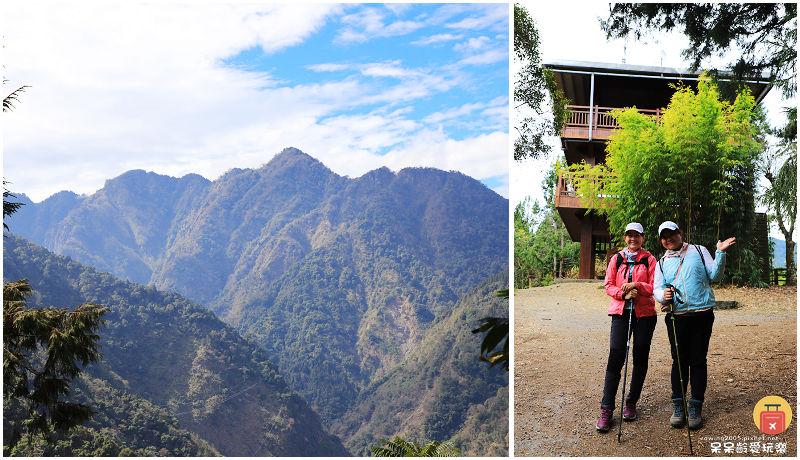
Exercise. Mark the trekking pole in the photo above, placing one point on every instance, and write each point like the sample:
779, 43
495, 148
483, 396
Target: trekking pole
680, 375
627, 348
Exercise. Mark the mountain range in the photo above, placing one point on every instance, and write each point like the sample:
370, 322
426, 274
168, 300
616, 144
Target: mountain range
779, 260
347, 284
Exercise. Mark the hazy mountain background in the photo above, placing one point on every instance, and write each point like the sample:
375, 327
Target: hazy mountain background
340, 280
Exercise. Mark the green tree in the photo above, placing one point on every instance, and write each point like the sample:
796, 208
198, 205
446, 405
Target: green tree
780, 169
401, 448
534, 88
9, 207
696, 167
543, 249
43, 351
8, 105
765, 34
8, 100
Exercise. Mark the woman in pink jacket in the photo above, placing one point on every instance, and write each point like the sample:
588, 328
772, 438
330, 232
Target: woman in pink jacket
629, 282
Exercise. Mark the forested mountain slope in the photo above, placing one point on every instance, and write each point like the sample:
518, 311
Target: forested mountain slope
442, 391
177, 355
123, 426
337, 278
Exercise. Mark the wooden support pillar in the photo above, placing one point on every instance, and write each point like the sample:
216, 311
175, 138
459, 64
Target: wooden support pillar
586, 267
610, 253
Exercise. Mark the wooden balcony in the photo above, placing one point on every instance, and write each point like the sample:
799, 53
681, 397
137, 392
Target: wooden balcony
566, 194
602, 124
582, 226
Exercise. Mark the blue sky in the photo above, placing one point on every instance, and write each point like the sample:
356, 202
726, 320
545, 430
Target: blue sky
203, 88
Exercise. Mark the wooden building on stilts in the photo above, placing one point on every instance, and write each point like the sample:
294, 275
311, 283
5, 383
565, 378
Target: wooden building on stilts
595, 89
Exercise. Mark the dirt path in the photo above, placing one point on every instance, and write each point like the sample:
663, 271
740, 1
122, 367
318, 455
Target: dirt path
561, 335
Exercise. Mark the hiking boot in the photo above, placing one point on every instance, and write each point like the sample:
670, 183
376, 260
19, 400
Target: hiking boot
695, 419
629, 413
678, 417
604, 424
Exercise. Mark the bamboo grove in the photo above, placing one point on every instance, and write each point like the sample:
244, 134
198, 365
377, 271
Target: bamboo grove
696, 165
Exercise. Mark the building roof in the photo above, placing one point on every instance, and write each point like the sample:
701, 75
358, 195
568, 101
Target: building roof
573, 77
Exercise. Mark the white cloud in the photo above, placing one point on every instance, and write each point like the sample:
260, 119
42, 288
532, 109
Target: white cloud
369, 23
387, 69
453, 113
495, 111
331, 67
437, 39
492, 16
117, 87
481, 157
489, 57
397, 8
473, 44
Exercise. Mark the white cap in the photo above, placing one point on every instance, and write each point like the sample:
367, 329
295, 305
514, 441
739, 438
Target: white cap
635, 226
668, 225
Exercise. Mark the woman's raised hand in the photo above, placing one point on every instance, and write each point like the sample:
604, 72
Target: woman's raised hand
724, 245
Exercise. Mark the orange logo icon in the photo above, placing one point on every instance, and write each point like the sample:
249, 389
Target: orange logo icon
772, 415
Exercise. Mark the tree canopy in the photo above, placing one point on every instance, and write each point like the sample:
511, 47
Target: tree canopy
695, 166
764, 33
780, 170
43, 351
534, 90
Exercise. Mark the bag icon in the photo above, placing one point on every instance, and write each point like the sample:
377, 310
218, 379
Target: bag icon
773, 422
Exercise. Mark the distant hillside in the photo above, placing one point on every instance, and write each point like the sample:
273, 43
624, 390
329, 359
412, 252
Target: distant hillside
780, 253
177, 355
123, 426
337, 278
442, 391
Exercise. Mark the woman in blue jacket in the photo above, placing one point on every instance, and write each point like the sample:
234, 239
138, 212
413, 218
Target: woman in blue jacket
683, 277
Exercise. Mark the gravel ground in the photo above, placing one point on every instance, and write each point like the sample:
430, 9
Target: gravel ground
561, 335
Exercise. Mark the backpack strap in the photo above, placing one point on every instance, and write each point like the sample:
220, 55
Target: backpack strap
620, 260
703, 258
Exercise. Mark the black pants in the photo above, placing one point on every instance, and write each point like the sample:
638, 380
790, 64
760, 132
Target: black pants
642, 330
694, 333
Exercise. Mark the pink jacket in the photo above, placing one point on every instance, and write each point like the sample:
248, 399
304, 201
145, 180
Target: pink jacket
644, 303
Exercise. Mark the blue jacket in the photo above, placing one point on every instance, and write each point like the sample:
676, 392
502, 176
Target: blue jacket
694, 281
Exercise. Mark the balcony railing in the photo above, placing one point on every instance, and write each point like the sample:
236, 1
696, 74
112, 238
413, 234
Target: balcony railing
602, 123
566, 191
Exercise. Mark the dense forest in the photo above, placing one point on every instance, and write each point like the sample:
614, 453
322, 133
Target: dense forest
339, 280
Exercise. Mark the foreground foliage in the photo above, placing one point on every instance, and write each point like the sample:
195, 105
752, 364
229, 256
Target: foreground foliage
764, 34
496, 329
44, 350
534, 92
401, 448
